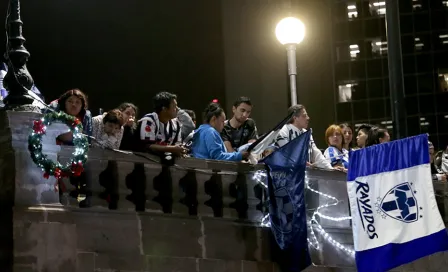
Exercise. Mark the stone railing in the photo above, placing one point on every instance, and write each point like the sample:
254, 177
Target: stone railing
197, 191
193, 186
221, 189
228, 189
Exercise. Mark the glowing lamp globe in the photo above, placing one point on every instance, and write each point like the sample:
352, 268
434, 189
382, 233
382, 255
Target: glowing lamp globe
290, 30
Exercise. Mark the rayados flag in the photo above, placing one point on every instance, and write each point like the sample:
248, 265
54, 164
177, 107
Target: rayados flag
394, 212
286, 186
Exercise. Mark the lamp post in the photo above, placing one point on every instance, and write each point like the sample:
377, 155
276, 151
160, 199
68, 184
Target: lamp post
290, 32
18, 80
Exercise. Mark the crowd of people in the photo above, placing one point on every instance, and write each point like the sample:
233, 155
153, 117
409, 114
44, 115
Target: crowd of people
170, 130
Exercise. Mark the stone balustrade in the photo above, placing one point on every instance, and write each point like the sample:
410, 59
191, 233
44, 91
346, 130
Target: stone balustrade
224, 189
197, 215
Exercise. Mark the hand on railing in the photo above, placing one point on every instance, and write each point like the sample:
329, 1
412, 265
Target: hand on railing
336, 168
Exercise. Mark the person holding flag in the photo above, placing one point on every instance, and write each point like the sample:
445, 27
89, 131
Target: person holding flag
287, 213
298, 125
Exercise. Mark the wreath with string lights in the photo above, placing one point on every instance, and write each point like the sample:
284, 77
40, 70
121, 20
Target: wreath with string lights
51, 168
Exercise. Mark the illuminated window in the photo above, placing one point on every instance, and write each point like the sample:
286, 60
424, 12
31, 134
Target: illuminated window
354, 51
417, 4
377, 7
444, 38
418, 44
345, 92
445, 3
387, 124
443, 81
352, 12
379, 47
423, 122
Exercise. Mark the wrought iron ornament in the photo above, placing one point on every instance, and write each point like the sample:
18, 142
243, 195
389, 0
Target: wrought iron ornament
18, 80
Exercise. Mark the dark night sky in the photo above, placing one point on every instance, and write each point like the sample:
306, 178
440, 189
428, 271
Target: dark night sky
118, 51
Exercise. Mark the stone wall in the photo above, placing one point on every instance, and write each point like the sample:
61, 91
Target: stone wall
54, 239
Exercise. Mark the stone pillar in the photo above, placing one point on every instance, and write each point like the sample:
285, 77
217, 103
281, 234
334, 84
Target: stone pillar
20, 177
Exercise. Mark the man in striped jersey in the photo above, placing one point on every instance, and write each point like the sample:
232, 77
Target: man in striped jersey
298, 125
160, 131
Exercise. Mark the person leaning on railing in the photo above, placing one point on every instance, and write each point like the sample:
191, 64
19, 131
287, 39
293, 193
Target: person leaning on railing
107, 129
74, 103
158, 133
298, 125
207, 142
336, 154
129, 112
125, 115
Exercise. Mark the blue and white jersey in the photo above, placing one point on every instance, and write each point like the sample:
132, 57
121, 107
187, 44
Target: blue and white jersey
394, 212
337, 157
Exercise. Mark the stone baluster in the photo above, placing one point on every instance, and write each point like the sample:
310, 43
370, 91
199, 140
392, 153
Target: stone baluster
136, 182
260, 193
189, 186
109, 180
163, 183
238, 190
213, 188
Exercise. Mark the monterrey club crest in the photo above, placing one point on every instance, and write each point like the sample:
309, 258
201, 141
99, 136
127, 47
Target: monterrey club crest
400, 203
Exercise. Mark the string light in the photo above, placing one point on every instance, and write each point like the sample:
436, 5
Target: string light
260, 177
55, 168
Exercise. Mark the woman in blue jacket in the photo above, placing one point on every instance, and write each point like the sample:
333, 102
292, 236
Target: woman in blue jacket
207, 142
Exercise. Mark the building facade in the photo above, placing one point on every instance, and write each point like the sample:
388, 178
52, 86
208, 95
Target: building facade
361, 84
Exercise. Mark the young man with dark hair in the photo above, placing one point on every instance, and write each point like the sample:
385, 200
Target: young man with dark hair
298, 125
160, 131
241, 129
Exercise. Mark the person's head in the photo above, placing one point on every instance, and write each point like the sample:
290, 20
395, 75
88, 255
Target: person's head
73, 102
192, 115
377, 135
113, 120
361, 138
165, 105
347, 132
214, 116
300, 117
129, 111
241, 109
334, 136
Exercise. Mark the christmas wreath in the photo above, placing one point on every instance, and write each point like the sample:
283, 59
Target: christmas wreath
50, 168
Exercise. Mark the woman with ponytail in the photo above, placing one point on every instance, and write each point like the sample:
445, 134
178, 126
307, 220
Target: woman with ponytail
207, 141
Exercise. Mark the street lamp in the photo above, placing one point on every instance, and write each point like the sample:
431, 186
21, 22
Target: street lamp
18, 80
290, 31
